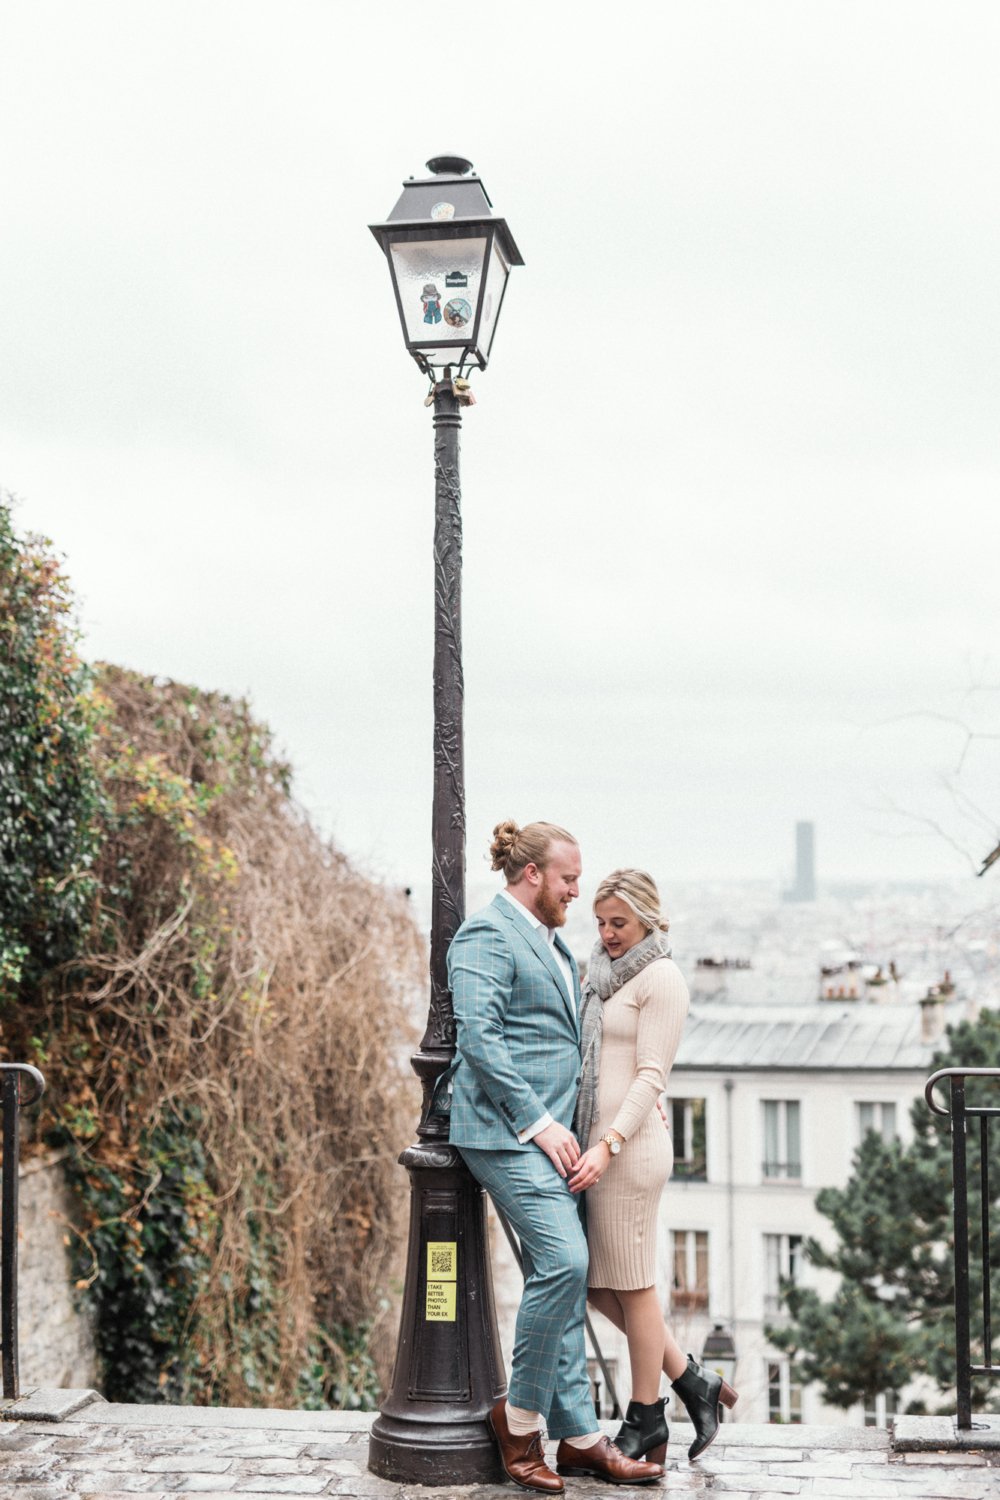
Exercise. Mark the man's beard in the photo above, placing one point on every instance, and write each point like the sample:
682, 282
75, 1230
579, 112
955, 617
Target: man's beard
551, 911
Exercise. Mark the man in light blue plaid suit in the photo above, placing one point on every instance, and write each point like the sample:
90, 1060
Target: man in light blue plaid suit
516, 995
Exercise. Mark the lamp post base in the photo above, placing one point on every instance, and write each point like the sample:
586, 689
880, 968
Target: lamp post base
433, 1453
449, 1372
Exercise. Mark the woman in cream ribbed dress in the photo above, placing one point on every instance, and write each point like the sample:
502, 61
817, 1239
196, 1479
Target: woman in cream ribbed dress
641, 1033
635, 1003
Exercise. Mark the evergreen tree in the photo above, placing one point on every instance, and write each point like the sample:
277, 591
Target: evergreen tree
893, 1315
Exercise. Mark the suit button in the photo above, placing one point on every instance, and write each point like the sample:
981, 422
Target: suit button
578, 1083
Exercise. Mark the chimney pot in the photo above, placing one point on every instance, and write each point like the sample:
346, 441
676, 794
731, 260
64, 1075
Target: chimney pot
931, 1018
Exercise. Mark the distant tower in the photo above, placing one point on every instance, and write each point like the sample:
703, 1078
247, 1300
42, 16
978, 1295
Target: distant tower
804, 888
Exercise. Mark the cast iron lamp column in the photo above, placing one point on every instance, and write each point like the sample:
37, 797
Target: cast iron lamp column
449, 1371
449, 258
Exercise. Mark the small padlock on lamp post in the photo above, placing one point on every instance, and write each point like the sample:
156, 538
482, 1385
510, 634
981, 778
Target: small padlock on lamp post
449, 259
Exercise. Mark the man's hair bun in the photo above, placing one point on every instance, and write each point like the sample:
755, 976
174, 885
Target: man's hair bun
513, 848
504, 838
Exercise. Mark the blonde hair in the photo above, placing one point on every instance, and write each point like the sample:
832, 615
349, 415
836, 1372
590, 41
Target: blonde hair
513, 848
637, 890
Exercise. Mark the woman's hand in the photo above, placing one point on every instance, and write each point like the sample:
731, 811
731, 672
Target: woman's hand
590, 1168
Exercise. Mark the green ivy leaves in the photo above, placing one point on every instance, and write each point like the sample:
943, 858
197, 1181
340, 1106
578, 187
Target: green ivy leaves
50, 791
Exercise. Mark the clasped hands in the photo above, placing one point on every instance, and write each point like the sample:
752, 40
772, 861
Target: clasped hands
582, 1168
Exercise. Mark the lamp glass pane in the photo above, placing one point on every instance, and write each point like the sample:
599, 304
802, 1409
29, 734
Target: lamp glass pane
439, 283
496, 280
451, 354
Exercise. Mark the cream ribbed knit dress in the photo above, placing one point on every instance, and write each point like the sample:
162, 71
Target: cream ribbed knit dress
642, 1029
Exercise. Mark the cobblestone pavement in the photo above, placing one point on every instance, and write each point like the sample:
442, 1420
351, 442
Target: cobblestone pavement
213, 1457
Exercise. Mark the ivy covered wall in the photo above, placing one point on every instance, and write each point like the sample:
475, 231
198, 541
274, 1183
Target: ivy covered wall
220, 1004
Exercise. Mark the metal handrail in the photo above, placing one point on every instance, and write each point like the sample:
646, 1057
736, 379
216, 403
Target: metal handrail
959, 1073
10, 1091
958, 1113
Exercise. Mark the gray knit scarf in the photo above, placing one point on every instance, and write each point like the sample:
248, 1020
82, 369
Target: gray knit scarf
605, 976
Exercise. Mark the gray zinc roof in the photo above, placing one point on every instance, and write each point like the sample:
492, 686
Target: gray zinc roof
837, 1035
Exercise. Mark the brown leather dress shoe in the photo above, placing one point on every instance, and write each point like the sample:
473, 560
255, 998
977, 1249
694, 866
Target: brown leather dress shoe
605, 1461
522, 1457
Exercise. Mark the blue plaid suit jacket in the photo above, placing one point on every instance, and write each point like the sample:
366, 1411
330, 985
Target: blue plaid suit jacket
518, 1030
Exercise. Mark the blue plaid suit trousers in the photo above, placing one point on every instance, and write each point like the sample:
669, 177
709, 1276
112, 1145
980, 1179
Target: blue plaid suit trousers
549, 1373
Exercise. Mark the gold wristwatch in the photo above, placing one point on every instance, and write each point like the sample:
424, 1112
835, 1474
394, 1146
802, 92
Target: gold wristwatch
612, 1142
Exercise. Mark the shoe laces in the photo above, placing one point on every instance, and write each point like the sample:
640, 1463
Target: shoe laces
615, 1452
535, 1449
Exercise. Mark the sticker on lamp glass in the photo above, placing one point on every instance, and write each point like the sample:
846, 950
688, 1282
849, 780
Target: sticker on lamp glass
456, 278
431, 299
443, 211
457, 312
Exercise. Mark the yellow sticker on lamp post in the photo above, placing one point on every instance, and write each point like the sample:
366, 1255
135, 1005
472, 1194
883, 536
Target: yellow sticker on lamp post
442, 1273
440, 1302
442, 1260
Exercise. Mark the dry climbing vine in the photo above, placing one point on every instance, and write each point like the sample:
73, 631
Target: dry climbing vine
221, 1011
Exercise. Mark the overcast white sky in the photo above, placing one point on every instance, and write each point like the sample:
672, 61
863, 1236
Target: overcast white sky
731, 484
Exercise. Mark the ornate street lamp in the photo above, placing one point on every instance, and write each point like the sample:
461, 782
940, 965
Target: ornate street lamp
719, 1355
449, 259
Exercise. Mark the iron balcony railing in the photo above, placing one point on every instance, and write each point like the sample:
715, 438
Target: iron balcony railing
792, 1170
13, 1103
959, 1113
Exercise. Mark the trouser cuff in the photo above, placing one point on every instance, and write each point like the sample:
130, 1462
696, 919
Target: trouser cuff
571, 1427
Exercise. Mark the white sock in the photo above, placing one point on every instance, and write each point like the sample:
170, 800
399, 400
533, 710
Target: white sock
523, 1423
585, 1440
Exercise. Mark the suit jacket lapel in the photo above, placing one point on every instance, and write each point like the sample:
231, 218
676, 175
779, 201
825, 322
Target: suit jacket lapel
543, 948
561, 945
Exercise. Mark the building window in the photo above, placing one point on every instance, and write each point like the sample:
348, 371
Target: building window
878, 1117
784, 1395
690, 1284
878, 1409
782, 1262
687, 1132
782, 1139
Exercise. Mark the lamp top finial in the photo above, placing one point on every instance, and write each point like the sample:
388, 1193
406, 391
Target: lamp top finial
455, 166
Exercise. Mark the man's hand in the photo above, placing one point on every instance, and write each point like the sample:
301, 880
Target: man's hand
560, 1146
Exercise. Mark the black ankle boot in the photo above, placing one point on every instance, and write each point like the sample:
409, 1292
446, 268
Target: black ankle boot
643, 1434
701, 1391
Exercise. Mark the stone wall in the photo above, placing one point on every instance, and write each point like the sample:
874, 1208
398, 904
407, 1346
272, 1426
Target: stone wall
56, 1342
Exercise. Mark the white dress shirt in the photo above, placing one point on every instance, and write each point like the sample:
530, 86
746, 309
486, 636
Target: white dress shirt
567, 974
